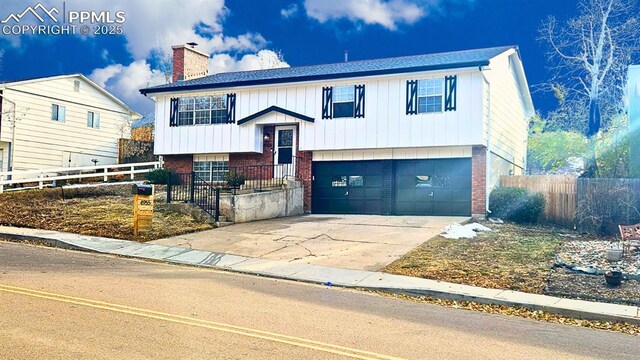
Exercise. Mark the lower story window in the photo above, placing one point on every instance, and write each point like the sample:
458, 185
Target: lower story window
211, 171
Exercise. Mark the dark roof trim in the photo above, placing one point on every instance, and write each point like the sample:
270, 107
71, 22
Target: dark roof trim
314, 77
276, 109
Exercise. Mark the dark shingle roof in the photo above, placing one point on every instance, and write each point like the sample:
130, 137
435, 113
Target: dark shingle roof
448, 60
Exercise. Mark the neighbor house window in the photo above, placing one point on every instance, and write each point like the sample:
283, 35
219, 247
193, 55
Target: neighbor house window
430, 95
57, 112
93, 120
343, 101
202, 110
211, 171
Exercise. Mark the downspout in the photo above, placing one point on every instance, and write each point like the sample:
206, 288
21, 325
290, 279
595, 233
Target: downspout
488, 156
13, 133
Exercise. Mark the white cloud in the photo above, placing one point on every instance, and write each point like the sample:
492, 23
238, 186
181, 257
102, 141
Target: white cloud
289, 11
126, 81
264, 59
167, 21
386, 13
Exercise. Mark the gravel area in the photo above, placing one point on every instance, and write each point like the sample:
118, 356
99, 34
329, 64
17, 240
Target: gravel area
593, 253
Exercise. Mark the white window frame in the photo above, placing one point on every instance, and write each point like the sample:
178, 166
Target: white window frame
211, 171
428, 95
93, 120
335, 100
202, 105
56, 114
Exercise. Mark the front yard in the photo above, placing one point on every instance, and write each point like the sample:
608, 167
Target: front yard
105, 211
522, 258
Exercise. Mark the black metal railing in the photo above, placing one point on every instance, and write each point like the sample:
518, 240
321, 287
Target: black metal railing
260, 177
191, 188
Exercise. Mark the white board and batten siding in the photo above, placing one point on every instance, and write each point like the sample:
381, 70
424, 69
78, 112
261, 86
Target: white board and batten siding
384, 126
41, 142
509, 117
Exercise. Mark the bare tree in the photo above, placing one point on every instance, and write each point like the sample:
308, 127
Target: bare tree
162, 58
590, 54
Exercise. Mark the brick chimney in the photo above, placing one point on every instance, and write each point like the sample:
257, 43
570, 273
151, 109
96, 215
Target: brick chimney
189, 62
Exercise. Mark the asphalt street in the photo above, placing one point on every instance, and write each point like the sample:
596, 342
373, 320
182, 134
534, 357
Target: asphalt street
60, 304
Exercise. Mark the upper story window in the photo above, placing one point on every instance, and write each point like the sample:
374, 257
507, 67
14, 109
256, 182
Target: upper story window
202, 110
430, 95
93, 120
76, 85
343, 101
57, 112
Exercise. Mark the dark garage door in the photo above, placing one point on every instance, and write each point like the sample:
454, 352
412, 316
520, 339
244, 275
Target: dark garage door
347, 187
401, 187
433, 187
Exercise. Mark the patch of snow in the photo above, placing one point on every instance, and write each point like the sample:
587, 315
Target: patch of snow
468, 231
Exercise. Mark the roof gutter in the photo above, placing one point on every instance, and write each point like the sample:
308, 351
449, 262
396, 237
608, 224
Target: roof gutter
312, 77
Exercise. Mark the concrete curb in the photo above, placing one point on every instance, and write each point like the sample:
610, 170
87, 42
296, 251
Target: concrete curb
355, 279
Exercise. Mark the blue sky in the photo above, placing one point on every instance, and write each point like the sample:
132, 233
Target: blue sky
242, 34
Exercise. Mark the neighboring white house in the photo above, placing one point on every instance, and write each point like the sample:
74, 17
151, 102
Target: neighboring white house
422, 135
60, 121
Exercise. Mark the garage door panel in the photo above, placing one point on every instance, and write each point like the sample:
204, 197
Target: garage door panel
431, 186
402, 187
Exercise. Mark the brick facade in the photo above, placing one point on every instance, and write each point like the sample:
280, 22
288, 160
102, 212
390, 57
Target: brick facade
303, 162
479, 181
189, 63
179, 163
303, 172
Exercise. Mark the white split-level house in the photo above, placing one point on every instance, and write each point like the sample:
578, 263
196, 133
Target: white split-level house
415, 135
60, 121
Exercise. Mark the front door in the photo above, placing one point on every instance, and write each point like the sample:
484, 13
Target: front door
285, 152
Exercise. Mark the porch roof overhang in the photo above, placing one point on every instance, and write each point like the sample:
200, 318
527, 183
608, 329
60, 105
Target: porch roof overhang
276, 109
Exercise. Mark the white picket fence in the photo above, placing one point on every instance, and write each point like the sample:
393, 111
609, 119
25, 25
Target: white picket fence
48, 177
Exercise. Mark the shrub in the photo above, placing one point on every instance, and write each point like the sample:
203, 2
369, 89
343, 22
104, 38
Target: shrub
604, 204
158, 176
234, 179
516, 204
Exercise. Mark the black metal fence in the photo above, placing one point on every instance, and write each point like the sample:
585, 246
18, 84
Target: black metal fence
260, 177
191, 188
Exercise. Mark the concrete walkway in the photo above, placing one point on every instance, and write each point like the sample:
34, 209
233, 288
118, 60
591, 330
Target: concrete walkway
328, 275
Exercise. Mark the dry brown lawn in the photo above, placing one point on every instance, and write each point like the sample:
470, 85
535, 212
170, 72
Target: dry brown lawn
105, 213
510, 257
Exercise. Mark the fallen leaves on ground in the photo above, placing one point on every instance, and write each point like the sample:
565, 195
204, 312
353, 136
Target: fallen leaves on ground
538, 315
510, 257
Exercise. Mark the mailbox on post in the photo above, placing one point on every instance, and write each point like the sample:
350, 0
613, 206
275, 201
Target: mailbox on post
142, 207
142, 189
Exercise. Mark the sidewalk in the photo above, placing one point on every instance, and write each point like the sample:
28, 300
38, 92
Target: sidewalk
328, 275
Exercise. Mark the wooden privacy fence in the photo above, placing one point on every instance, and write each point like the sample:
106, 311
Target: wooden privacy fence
560, 192
592, 205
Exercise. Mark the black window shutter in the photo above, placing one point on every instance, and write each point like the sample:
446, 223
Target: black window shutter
327, 102
450, 90
173, 112
231, 108
359, 101
412, 97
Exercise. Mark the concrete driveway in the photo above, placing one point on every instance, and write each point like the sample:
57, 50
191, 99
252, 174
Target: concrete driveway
364, 242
